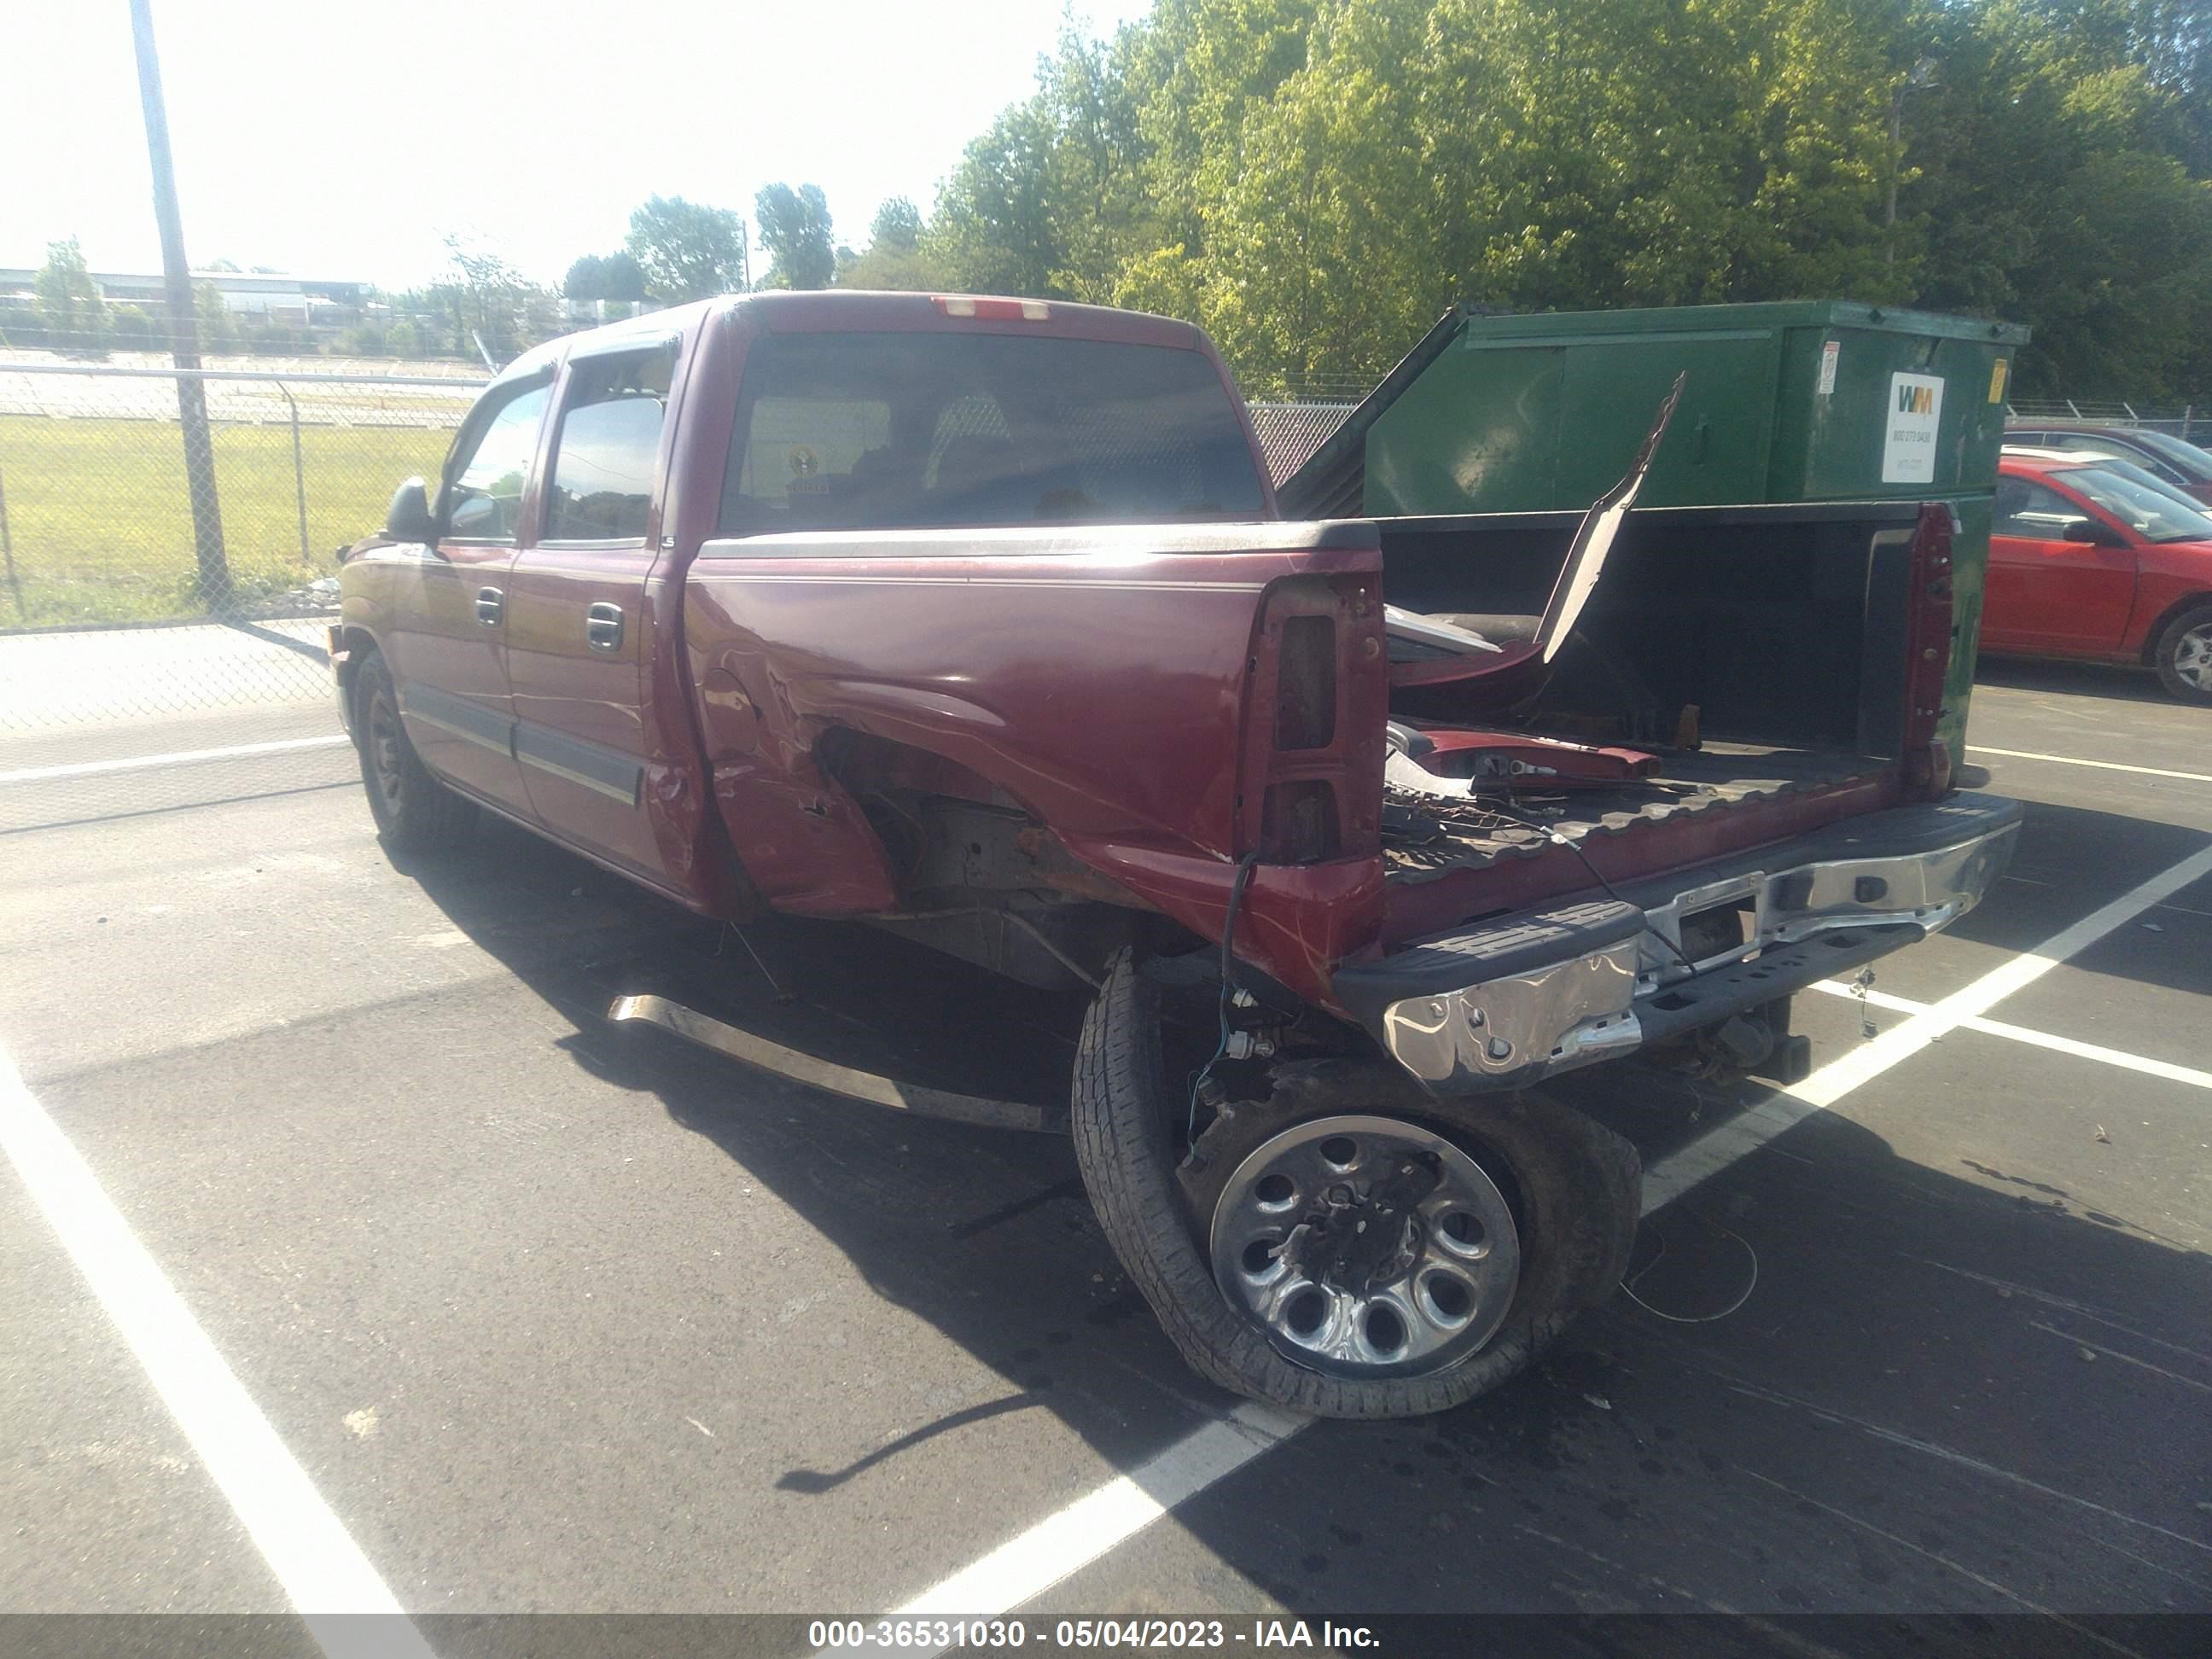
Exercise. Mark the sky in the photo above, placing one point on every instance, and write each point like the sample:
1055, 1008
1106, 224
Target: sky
347, 142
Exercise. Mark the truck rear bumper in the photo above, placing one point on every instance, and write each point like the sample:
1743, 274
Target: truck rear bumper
1524, 997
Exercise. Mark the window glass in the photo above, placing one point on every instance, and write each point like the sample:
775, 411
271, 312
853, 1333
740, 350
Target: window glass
2092, 443
2149, 508
610, 443
904, 431
2189, 463
2029, 510
485, 498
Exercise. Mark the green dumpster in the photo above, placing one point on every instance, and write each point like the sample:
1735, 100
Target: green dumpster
1800, 401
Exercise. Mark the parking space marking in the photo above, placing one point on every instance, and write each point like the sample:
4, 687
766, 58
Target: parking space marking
1725, 1143
1063, 1543
1998, 1028
321, 1568
2102, 766
181, 757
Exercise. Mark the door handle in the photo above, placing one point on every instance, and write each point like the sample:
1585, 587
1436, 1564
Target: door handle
603, 627
488, 604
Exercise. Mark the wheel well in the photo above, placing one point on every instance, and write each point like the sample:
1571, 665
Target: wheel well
358, 643
2166, 619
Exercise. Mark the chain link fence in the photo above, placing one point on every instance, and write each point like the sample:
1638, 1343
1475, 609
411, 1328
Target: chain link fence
122, 594
2190, 422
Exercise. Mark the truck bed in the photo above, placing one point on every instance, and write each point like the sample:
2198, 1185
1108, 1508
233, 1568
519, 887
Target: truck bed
1425, 839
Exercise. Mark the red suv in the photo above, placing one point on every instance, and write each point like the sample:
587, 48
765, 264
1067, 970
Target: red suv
2092, 559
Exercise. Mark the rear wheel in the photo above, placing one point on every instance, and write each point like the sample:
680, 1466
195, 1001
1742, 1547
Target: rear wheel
1352, 1246
414, 812
2182, 656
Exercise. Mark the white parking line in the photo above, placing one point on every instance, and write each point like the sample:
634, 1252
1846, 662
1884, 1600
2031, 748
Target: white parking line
182, 757
2102, 766
1026, 1567
1720, 1146
2057, 1044
321, 1568
1071, 1539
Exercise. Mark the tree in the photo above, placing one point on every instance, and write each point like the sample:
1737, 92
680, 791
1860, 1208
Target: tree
1053, 197
795, 231
896, 226
687, 251
486, 298
70, 304
217, 327
894, 258
604, 277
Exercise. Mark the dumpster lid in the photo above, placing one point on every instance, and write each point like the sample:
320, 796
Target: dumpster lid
1330, 482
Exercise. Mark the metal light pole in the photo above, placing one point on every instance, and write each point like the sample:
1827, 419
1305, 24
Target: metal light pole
1920, 79
184, 333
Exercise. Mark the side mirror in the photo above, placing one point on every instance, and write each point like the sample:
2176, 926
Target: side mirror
2094, 532
409, 518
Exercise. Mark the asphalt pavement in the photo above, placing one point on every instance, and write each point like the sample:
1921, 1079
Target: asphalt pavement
549, 1317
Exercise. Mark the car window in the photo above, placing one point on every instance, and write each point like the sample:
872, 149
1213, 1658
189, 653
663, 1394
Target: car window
2103, 443
609, 447
2189, 463
2026, 509
485, 500
2150, 509
905, 431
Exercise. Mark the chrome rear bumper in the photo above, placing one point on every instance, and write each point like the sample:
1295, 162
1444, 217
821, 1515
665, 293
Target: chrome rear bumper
1526, 997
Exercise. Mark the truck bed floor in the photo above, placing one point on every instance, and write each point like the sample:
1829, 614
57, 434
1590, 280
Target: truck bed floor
1423, 838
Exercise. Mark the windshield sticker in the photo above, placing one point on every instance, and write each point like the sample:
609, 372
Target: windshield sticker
1908, 446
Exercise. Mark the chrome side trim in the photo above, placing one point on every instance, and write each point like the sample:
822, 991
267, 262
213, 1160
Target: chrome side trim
458, 717
606, 771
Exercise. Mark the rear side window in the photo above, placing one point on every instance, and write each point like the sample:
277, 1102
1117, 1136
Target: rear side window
609, 445
485, 500
908, 431
2033, 513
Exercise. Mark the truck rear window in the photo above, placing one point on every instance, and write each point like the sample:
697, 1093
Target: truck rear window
909, 431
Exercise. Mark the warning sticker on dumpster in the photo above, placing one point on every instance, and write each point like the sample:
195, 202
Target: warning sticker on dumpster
1830, 352
1908, 444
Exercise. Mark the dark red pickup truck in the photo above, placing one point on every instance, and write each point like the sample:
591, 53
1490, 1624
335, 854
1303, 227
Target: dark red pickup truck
972, 619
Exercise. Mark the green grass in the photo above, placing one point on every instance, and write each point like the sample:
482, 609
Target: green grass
100, 526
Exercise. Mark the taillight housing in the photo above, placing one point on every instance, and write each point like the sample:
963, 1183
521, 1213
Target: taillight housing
1312, 785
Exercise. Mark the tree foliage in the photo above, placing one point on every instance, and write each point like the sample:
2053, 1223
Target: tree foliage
1316, 180
604, 277
894, 257
687, 251
70, 304
795, 231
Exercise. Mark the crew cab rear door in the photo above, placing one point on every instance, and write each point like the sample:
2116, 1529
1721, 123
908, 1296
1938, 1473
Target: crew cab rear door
579, 641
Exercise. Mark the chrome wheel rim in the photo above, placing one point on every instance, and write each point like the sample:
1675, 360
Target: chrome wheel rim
1366, 1247
2192, 658
383, 749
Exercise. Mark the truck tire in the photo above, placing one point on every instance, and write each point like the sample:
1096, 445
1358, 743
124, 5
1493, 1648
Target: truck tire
2182, 656
1552, 1187
414, 812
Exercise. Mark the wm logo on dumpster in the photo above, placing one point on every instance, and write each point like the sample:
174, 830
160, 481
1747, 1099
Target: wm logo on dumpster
1916, 400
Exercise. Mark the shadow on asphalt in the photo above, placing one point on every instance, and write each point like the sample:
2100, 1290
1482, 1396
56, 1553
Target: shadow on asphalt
2072, 679
1933, 1395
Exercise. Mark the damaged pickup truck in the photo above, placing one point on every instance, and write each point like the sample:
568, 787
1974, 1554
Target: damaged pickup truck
973, 619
